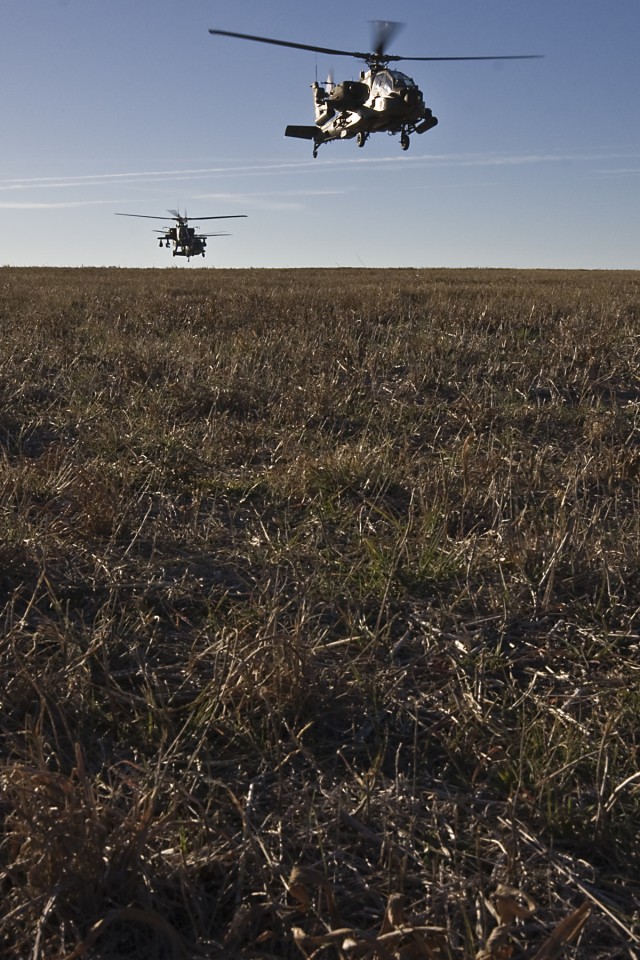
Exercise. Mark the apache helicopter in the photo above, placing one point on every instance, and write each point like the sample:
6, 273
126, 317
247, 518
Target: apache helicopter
186, 242
381, 100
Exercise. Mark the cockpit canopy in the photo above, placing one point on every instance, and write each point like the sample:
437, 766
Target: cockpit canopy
388, 81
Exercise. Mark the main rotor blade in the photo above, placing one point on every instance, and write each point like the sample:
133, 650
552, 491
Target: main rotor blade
383, 33
389, 29
289, 43
146, 216
367, 57
226, 216
517, 56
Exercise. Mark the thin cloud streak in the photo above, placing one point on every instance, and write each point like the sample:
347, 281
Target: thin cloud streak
144, 175
63, 205
230, 169
621, 171
271, 200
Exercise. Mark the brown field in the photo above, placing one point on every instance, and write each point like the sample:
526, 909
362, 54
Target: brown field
319, 595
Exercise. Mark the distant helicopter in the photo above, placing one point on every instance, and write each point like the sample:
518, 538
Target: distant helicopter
186, 242
382, 100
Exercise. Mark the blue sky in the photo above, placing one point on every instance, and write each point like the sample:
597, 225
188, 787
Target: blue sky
132, 106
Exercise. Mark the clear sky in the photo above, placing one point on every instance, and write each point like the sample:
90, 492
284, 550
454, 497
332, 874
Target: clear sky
132, 106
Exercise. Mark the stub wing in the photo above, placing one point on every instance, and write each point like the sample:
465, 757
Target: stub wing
303, 133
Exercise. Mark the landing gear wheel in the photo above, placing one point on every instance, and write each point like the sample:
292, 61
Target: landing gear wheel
361, 139
404, 141
315, 151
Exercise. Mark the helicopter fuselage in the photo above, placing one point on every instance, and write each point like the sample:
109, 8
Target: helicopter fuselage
184, 240
386, 98
382, 100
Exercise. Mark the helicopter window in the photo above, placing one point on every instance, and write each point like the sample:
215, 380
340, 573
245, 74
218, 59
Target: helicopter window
382, 84
401, 79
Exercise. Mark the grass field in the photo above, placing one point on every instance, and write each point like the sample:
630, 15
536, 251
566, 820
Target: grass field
319, 593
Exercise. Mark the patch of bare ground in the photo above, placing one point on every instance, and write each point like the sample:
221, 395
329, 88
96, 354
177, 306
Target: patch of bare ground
319, 596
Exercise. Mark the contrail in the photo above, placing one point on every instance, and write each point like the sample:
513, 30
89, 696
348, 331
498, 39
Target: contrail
272, 167
28, 205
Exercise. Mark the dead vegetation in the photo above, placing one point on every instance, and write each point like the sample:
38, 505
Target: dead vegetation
319, 594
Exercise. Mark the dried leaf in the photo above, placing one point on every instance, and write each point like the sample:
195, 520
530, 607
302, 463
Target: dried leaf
566, 930
421, 947
355, 948
299, 891
302, 880
394, 915
366, 944
242, 923
507, 907
303, 939
498, 945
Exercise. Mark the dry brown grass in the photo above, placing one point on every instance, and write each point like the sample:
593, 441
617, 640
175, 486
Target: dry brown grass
319, 593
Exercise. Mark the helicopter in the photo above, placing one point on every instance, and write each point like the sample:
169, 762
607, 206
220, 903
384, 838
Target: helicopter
382, 100
186, 242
